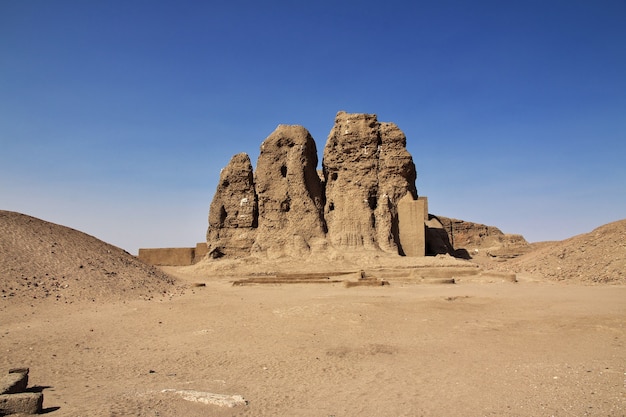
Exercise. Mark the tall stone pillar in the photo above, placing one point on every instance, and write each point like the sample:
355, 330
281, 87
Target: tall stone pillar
412, 230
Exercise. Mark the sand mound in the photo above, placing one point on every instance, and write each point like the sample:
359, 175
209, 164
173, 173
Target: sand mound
595, 257
41, 260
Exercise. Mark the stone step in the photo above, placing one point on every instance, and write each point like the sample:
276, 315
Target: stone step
21, 403
14, 382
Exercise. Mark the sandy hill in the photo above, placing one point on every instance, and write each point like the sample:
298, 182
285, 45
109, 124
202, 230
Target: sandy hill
595, 257
42, 260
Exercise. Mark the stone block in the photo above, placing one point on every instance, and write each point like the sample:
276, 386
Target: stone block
24, 403
13, 382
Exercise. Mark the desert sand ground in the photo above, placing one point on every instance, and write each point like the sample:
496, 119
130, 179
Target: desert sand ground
105, 335
469, 349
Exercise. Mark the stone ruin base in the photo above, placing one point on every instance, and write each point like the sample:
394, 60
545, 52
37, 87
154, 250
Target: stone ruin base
14, 396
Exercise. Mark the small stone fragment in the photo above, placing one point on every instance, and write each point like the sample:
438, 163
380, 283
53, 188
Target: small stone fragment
220, 400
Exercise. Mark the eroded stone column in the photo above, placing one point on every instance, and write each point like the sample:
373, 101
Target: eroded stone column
290, 194
233, 215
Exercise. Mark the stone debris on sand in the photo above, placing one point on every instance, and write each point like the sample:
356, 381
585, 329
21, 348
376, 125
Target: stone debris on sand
221, 400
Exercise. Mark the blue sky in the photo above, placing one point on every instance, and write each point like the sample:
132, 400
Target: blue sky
117, 116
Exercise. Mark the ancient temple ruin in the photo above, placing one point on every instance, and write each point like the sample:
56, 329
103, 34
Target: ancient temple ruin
363, 199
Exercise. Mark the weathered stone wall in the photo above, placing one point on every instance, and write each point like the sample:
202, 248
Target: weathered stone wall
172, 256
200, 252
469, 235
465, 239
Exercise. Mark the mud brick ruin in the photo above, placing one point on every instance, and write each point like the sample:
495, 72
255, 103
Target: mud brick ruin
287, 208
363, 199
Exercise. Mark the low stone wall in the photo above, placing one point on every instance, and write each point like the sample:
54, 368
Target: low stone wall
201, 251
173, 256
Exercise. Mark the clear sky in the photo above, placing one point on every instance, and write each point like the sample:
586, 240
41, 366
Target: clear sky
116, 116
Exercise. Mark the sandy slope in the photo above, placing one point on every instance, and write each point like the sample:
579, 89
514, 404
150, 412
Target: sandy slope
595, 257
42, 260
508, 349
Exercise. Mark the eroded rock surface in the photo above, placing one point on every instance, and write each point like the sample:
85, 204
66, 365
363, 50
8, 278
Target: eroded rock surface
233, 215
290, 194
350, 166
352, 205
396, 177
367, 170
465, 239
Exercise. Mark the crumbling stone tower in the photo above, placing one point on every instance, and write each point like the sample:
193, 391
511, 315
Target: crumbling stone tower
290, 194
233, 215
286, 209
367, 170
